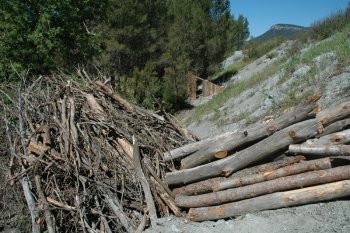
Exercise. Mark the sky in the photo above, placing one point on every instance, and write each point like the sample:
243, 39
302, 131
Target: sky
262, 14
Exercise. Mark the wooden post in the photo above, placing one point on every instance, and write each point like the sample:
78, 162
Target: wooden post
320, 150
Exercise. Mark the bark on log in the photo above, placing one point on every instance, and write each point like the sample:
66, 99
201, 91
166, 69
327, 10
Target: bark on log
206, 185
271, 175
331, 115
314, 194
342, 137
193, 147
280, 140
249, 135
145, 186
281, 184
320, 150
336, 127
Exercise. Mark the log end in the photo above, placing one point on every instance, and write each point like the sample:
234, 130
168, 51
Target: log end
221, 154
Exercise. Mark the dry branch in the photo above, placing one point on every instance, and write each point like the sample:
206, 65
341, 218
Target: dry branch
231, 142
280, 140
206, 185
314, 194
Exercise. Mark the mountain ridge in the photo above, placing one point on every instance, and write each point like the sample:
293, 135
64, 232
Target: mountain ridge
281, 30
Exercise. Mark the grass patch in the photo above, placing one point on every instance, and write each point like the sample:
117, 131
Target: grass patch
229, 71
234, 90
339, 43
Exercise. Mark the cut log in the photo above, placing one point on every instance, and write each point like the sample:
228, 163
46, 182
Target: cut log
331, 115
209, 153
280, 140
336, 127
320, 150
206, 185
314, 194
281, 184
193, 147
342, 137
270, 175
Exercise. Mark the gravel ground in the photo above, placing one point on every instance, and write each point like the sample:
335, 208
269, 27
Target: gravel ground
320, 218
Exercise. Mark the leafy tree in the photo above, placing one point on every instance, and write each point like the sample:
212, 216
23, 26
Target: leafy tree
42, 35
241, 31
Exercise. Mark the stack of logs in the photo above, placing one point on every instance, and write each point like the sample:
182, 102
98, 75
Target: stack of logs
298, 158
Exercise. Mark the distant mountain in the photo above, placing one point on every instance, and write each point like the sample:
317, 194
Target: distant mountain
281, 30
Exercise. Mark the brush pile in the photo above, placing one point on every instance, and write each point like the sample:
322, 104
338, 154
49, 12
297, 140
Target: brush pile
87, 160
301, 157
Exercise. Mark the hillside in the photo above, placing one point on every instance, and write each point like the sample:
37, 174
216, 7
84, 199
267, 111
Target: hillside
281, 30
265, 88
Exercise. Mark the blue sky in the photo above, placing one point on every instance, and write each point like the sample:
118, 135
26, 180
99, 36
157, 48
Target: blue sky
262, 14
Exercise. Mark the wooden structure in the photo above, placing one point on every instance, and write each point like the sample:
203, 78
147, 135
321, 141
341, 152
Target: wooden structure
208, 88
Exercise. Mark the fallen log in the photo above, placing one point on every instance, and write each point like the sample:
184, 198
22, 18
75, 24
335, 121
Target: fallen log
314, 194
336, 127
341, 137
271, 175
331, 115
320, 150
280, 184
210, 151
280, 140
206, 185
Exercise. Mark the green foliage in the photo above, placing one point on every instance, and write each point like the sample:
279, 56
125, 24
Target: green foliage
330, 25
41, 36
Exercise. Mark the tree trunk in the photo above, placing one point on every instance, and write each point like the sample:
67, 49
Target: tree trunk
280, 184
206, 185
331, 115
341, 137
320, 150
336, 127
271, 175
210, 151
314, 194
280, 140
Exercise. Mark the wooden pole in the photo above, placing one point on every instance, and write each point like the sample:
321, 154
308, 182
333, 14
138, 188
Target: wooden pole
314, 194
280, 140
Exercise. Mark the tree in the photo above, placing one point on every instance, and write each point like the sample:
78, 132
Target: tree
40, 36
241, 31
